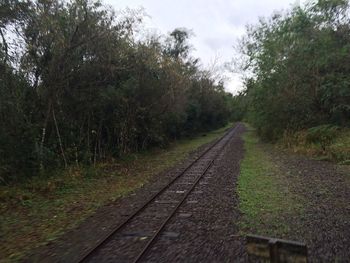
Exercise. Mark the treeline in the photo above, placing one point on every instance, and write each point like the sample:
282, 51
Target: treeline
298, 62
77, 85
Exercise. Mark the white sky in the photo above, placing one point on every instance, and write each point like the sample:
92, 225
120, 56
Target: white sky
217, 24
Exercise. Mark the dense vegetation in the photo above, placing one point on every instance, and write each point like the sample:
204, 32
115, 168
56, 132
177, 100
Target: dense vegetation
79, 85
298, 63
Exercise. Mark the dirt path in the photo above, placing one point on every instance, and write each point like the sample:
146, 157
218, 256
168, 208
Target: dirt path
296, 198
325, 188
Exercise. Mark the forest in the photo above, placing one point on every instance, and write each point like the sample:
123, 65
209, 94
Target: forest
298, 72
79, 85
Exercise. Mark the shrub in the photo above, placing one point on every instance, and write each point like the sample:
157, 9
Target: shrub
322, 134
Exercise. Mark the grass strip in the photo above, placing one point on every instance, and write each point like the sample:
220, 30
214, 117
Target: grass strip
266, 200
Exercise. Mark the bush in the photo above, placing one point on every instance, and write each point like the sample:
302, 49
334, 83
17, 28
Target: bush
323, 135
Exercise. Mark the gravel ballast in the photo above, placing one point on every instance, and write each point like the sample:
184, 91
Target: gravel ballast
205, 228
72, 245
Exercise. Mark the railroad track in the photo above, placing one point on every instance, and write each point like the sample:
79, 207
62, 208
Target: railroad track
134, 237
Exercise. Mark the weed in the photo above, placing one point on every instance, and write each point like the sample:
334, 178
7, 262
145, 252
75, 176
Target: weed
324, 142
323, 135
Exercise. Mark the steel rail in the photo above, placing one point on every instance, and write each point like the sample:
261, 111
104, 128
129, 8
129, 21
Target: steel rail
106, 238
160, 229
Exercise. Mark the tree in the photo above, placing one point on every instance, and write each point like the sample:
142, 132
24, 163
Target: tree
298, 61
83, 88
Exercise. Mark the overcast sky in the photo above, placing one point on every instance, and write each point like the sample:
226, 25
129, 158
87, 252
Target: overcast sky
217, 24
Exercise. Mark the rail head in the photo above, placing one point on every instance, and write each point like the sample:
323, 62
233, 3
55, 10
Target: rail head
88, 253
160, 229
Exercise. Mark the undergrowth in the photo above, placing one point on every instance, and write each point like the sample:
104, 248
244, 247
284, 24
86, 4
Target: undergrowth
41, 209
324, 142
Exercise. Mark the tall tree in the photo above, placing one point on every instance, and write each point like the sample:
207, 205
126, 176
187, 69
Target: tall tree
299, 70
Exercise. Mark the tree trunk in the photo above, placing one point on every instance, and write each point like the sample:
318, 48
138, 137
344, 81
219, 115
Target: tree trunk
43, 135
59, 138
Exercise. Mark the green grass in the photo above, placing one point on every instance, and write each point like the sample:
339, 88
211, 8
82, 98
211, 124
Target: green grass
40, 210
266, 201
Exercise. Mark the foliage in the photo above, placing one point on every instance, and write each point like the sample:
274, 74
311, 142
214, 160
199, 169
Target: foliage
239, 106
298, 63
325, 142
78, 86
323, 134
